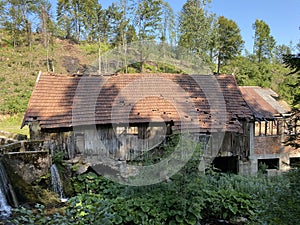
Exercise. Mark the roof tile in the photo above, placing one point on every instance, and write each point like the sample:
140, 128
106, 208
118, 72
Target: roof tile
65, 101
263, 103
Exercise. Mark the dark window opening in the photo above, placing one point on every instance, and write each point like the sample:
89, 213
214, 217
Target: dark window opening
226, 164
295, 162
264, 164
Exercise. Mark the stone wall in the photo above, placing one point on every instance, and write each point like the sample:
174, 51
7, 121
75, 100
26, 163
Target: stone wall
30, 166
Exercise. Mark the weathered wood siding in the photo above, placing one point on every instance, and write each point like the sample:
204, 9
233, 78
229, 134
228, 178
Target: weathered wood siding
229, 143
105, 141
60, 142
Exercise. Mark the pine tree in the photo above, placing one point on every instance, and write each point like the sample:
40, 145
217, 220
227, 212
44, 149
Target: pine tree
292, 61
195, 27
16, 21
264, 42
64, 18
148, 18
46, 28
167, 23
92, 16
70, 18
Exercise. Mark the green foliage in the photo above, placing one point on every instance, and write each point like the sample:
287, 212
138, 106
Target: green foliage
90, 48
147, 18
151, 67
12, 124
89, 209
229, 42
282, 204
58, 157
93, 211
250, 73
264, 42
188, 198
195, 27
293, 63
37, 215
280, 52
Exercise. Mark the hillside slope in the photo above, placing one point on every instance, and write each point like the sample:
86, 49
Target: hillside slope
20, 66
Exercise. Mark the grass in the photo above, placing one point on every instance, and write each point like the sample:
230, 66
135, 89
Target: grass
20, 66
12, 125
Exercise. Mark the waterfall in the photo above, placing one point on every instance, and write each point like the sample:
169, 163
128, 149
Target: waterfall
56, 183
5, 209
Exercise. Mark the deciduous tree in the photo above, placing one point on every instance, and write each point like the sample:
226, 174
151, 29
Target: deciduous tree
229, 42
279, 52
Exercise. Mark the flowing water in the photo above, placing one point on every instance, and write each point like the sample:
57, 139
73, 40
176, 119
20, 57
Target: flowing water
5, 208
56, 182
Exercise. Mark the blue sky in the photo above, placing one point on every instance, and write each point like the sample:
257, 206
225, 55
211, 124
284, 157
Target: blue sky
283, 16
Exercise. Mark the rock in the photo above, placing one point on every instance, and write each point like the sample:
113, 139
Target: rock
30, 194
75, 160
239, 221
82, 168
29, 166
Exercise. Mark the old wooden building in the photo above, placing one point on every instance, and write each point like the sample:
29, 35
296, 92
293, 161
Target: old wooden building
121, 116
269, 130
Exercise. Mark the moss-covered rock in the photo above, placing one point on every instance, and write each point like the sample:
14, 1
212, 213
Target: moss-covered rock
66, 174
31, 194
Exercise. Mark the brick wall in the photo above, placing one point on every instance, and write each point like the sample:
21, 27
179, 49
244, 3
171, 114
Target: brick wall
267, 145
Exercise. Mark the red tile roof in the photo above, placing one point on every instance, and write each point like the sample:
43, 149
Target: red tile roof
192, 102
263, 102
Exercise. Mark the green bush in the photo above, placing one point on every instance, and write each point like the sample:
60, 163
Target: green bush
282, 205
188, 198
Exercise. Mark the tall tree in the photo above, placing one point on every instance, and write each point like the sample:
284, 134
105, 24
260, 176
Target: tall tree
293, 63
16, 19
46, 28
147, 18
195, 25
147, 21
264, 42
279, 52
70, 18
229, 42
64, 18
120, 22
92, 19
167, 23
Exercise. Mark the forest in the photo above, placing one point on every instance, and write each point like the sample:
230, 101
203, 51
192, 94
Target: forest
32, 34
69, 36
